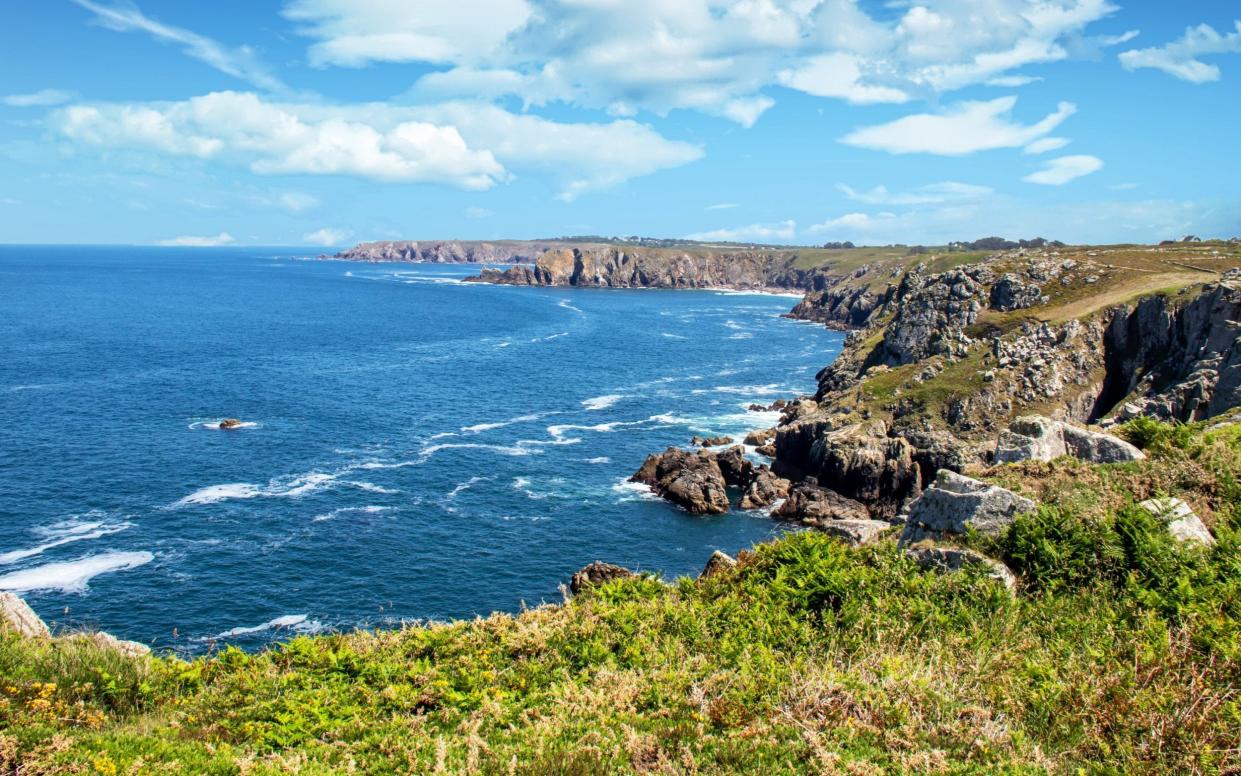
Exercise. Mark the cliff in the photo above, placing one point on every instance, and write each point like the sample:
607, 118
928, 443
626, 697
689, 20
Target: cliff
447, 251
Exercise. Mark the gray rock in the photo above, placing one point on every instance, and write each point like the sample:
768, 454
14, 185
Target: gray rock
813, 505
126, 648
718, 562
764, 490
955, 503
1036, 438
16, 615
597, 573
929, 556
1183, 523
1012, 293
855, 532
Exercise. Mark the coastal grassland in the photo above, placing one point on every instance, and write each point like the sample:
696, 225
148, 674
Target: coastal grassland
1120, 654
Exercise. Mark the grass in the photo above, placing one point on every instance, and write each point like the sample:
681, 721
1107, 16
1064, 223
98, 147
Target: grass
1120, 654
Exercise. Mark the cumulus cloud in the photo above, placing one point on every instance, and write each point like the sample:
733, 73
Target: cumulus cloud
467, 145
1057, 172
44, 98
192, 241
239, 62
761, 233
962, 129
327, 236
715, 57
933, 193
1180, 58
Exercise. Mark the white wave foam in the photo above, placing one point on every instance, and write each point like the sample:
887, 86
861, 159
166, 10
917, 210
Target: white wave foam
752, 390
288, 487
369, 510
565, 304
602, 402
298, 623
76, 533
633, 491
371, 487
226, 492
600, 459
471, 482
478, 428
215, 425
550, 337
72, 576
672, 336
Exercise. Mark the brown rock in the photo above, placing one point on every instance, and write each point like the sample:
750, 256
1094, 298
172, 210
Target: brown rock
765, 489
228, 423
717, 563
809, 503
760, 437
716, 441
597, 573
16, 615
691, 479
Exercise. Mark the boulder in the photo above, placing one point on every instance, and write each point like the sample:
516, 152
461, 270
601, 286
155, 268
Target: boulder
760, 437
737, 471
1096, 447
1012, 293
717, 563
930, 556
691, 479
597, 573
1183, 523
813, 505
855, 532
715, 441
16, 615
121, 646
228, 423
1036, 438
765, 489
955, 503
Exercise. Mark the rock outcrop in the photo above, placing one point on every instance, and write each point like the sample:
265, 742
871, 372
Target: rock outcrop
16, 615
810, 504
765, 489
717, 563
955, 504
1183, 523
855, 532
692, 480
597, 573
1037, 438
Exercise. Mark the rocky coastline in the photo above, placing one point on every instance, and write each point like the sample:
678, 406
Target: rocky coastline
447, 251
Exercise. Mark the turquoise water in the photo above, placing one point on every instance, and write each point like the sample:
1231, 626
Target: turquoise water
415, 447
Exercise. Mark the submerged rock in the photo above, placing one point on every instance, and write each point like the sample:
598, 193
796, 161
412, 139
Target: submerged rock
955, 503
597, 573
16, 615
760, 437
930, 556
1183, 523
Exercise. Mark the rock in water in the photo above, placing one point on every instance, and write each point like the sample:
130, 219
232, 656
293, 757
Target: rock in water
764, 490
813, 505
955, 503
717, 563
1036, 438
597, 573
16, 615
715, 441
691, 479
228, 423
928, 556
737, 471
1183, 523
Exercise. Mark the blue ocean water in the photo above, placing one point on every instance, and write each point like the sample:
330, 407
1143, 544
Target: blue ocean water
415, 447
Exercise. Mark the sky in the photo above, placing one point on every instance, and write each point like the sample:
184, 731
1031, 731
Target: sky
326, 122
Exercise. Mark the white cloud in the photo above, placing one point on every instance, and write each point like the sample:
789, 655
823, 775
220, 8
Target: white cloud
761, 233
962, 129
191, 241
933, 193
1057, 172
327, 236
708, 55
851, 224
468, 145
43, 98
1045, 144
1180, 58
723, 206
1013, 81
239, 62
478, 212
297, 201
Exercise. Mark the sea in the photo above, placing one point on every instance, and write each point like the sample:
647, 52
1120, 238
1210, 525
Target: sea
412, 447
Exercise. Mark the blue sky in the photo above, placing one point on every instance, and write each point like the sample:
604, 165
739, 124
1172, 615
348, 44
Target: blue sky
326, 122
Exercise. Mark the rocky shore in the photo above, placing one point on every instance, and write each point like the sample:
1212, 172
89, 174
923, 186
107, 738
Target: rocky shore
447, 251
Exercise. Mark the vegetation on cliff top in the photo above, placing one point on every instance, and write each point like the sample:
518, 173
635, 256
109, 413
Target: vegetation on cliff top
1120, 653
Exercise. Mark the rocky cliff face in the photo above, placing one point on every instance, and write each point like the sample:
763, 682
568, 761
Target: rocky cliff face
446, 251
621, 267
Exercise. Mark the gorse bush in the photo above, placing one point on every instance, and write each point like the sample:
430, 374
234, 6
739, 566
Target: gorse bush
1119, 654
